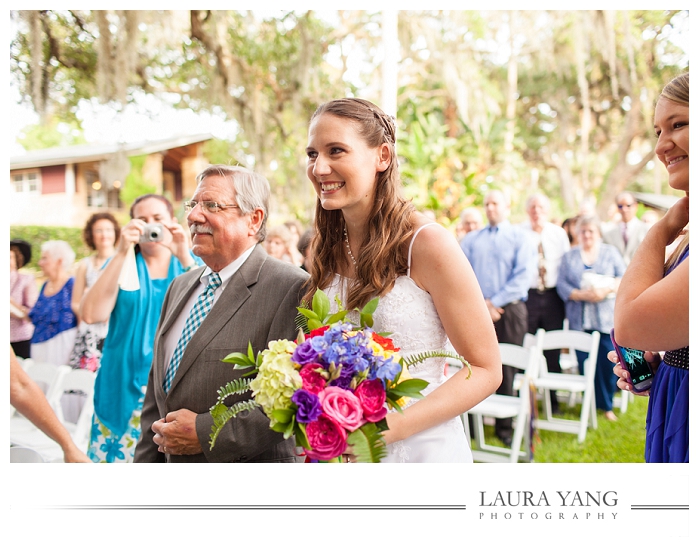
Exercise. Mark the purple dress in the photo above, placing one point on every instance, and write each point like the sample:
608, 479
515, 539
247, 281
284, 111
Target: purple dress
667, 422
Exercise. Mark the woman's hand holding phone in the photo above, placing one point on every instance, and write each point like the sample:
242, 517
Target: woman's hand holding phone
624, 376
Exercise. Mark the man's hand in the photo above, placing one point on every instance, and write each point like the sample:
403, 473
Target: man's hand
495, 312
176, 434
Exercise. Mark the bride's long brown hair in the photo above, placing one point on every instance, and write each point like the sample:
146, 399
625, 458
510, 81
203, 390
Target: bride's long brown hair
382, 256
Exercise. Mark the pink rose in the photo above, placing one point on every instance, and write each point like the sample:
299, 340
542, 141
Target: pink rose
313, 381
372, 397
343, 407
326, 438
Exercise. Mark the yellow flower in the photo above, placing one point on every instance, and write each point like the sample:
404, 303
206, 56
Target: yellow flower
404, 376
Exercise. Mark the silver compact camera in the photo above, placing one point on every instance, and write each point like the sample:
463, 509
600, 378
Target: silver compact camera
152, 233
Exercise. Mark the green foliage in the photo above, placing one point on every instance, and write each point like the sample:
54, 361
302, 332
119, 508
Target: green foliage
136, 184
412, 359
52, 134
221, 413
367, 443
37, 235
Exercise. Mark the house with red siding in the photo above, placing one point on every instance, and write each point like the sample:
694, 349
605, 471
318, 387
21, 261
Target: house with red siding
63, 186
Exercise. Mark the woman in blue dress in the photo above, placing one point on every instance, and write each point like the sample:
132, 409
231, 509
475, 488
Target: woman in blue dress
133, 316
652, 310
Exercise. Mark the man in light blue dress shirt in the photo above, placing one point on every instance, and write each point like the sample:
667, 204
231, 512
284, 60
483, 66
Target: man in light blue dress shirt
504, 261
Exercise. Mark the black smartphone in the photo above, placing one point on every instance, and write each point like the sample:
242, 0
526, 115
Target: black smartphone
633, 361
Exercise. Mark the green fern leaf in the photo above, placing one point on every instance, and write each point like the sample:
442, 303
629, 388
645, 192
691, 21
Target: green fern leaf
222, 414
237, 386
367, 443
412, 359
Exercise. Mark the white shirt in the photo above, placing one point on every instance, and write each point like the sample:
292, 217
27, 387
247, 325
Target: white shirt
173, 335
555, 242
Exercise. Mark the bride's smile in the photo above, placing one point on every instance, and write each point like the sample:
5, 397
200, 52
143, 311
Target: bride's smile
341, 166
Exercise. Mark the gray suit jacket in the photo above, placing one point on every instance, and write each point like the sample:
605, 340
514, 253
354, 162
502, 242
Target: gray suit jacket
637, 230
258, 305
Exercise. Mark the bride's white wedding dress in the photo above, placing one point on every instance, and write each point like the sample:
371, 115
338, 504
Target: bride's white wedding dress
409, 314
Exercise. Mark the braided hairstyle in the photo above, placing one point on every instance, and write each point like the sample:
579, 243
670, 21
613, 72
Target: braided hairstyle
383, 253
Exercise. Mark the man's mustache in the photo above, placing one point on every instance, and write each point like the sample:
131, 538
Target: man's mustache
200, 229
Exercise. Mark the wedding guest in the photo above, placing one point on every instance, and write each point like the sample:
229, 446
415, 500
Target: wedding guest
55, 324
278, 243
587, 281
296, 229
133, 315
504, 261
29, 399
545, 309
304, 247
470, 219
569, 226
627, 234
652, 310
370, 241
23, 295
242, 297
100, 234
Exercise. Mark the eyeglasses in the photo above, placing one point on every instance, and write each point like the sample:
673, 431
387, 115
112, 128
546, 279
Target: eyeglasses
626, 206
211, 207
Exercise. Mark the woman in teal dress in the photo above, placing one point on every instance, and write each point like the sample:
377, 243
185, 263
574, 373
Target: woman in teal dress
652, 310
133, 316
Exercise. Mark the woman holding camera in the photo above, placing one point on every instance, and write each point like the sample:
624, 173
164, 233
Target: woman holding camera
652, 310
162, 252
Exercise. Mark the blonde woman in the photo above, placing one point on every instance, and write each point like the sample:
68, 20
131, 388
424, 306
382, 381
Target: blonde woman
652, 311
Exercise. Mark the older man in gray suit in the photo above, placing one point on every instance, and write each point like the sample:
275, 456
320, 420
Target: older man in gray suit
241, 295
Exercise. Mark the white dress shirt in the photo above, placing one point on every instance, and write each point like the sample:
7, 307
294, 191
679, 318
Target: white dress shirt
555, 242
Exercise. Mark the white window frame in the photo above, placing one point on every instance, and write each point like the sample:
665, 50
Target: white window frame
26, 182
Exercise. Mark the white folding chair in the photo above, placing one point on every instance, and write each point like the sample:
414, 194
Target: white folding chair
76, 386
47, 376
574, 383
499, 406
25, 454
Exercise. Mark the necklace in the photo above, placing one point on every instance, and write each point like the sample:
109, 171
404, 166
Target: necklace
349, 250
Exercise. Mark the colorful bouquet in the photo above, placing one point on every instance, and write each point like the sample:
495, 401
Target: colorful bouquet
331, 388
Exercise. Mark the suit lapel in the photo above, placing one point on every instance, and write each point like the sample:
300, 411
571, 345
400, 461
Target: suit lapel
235, 294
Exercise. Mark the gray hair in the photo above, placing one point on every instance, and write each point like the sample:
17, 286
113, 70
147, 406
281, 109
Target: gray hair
60, 250
251, 190
588, 220
471, 211
542, 197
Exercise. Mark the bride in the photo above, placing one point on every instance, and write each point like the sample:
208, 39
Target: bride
371, 241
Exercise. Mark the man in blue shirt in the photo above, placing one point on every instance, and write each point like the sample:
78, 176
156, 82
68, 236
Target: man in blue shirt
504, 261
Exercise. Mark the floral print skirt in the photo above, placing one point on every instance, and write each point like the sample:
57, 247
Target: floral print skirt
105, 446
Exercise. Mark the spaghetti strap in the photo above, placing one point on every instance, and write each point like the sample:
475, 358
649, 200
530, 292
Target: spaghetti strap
410, 248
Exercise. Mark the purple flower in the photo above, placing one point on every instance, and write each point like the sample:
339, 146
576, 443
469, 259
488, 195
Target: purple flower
346, 373
386, 370
308, 404
304, 353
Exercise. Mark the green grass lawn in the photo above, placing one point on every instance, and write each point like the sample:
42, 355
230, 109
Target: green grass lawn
620, 441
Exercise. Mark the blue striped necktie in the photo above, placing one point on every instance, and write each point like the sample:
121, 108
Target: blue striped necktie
196, 316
